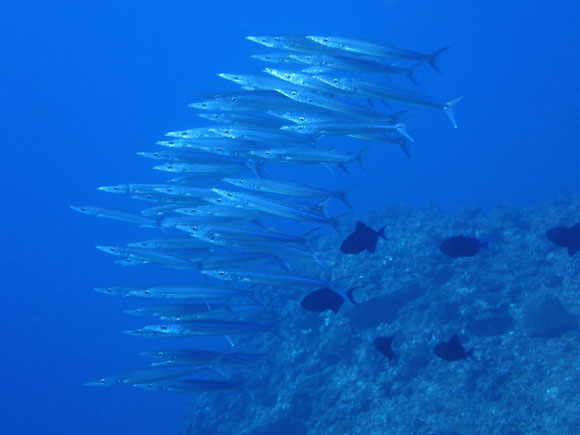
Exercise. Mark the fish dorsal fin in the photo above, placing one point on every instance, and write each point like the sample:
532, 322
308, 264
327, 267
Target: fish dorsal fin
360, 226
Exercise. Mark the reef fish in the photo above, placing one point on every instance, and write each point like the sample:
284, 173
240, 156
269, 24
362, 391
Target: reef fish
323, 299
363, 238
566, 238
452, 350
461, 246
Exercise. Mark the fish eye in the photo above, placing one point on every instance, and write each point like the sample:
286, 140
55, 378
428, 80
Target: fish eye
170, 189
276, 38
230, 194
308, 57
149, 196
268, 57
325, 39
203, 104
156, 154
169, 166
171, 142
184, 133
241, 181
222, 273
302, 119
335, 80
164, 327
294, 93
288, 76
234, 99
300, 127
147, 292
102, 381
236, 77
83, 209
268, 153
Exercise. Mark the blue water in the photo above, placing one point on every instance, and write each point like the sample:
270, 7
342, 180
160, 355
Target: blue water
85, 85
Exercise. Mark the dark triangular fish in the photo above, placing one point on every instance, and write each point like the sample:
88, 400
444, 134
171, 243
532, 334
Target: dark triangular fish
325, 299
452, 350
461, 246
362, 238
565, 238
385, 346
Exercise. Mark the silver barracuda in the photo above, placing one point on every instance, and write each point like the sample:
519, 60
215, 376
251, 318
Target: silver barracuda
391, 93
189, 291
193, 328
387, 50
147, 374
118, 215
287, 188
193, 386
363, 65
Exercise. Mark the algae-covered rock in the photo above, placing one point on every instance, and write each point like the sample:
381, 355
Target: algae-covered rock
547, 317
492, 323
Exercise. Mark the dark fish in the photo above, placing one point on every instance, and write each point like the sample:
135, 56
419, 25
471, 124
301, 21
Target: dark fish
385, 346
362, 238
566, 238
461, 246
324, 299
452, 350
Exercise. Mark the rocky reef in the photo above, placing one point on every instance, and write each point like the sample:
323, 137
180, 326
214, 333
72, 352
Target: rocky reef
515, 304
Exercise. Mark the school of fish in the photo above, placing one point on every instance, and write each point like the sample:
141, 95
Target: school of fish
218, 210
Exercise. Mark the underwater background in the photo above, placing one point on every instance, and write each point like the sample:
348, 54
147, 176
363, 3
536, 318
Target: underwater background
87, 85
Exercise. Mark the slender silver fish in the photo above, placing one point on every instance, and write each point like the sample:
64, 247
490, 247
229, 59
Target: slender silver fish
288, 188
118, 215
392, 93
193, 386
387, 50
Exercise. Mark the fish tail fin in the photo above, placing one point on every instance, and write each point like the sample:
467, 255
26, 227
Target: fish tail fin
322, 265
448, 109
329, 169
360, 156
401, 128
395, 116
432, 58
404, 145
322, 205
240, 385
470, 355
279, 333
343, 196
335, 222
381, 232
410, 74
350, 296
256, 168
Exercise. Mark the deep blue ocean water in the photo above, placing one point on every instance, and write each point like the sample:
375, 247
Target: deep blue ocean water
85, 85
